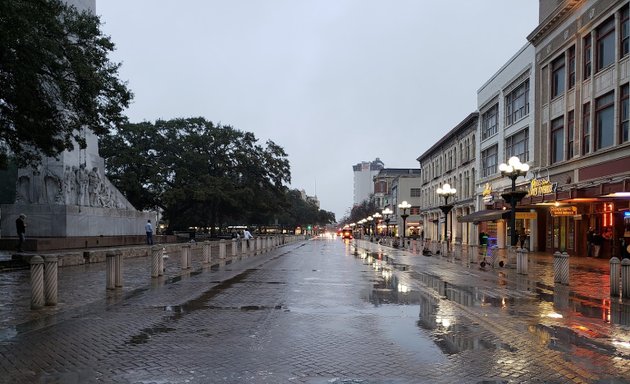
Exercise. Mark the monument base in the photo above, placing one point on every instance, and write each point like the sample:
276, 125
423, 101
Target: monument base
50, 220
41, 244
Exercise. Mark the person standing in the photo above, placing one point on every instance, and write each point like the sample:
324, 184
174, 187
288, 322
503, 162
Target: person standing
149, 229
20, 227
589, 241
247, 235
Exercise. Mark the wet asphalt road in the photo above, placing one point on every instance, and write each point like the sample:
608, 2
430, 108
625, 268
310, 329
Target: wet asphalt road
312, 312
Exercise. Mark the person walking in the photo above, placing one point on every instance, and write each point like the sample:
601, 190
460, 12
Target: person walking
20, 227
247, 235
598, 241
149, 230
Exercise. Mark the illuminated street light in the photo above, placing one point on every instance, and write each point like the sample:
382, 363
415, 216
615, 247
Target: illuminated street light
376, 217
446, 191
513, 169
404, 206
387, 213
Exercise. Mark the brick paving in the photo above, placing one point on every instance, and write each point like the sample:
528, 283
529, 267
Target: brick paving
316, 312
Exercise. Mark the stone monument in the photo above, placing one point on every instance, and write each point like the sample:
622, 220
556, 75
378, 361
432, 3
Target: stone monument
70, 196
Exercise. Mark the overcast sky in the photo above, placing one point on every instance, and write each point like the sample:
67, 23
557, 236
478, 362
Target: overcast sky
334, 82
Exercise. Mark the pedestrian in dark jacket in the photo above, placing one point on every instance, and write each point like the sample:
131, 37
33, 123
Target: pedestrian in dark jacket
20, 227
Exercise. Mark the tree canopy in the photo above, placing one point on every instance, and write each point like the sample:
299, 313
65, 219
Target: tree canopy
206, 175
55, 79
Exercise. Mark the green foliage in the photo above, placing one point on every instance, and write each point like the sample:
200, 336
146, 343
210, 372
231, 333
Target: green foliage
55, 79
197, 173
361, 211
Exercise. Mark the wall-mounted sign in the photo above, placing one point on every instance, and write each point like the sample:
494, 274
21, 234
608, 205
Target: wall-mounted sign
539, 187
487, 194
526, 215
563, 211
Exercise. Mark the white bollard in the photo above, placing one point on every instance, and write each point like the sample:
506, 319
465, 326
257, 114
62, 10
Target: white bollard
625, 278
119, 269
37, 282
206, 252
222, 249
185, 256
556, 267
51, 265
110, 258
156, 255
233, 248
614, 277
244, 247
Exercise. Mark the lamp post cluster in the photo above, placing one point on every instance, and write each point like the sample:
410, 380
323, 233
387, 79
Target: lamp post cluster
404, 206
446, 192
513, 169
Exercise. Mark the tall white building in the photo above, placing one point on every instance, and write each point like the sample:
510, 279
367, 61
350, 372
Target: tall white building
364, 173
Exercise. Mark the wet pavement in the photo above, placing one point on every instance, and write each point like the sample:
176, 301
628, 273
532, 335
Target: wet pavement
320, 312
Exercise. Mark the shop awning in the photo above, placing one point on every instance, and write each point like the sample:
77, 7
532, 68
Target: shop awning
485, 215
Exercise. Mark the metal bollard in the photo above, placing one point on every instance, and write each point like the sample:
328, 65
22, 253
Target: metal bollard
522, 261
37, 282
556, 267
156, 255
561, 268
119, 269
206, 252
51, 265
222, 249
110, 258
614, 276
625, 278
185, 256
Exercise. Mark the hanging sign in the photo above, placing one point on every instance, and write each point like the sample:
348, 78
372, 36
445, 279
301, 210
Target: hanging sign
563, 211
539, 187
487, 194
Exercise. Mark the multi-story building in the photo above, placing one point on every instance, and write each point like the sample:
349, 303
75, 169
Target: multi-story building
582, 134
506, 127
450, 161
364, 173
393, 186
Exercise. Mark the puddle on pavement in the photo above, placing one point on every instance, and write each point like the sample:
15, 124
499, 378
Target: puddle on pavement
452, 337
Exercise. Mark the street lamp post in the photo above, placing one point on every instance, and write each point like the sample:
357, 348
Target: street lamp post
446, 191
404, 206
513, 169
377, 216
387, 213
369, 220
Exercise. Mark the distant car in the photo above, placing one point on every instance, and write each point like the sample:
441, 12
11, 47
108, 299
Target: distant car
346, 234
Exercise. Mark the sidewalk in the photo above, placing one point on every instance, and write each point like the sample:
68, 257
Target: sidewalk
582, 311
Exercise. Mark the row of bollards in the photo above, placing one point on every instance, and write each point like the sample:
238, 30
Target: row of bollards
620, 277
44, 270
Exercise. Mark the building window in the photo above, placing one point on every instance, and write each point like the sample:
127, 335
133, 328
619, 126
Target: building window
605, 44
489, 161
518, 145
625, 31
586, 129
489, 122
571, 67
570, 134
587, 57
624, 113
604, 121
557, 140
415, 192
557, 77
517, 103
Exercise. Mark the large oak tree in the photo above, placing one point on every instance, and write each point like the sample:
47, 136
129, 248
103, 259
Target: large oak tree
55, 79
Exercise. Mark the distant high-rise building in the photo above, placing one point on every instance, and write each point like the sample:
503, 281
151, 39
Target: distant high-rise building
364, 173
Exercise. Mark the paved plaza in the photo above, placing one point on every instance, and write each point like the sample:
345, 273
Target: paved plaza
320, 311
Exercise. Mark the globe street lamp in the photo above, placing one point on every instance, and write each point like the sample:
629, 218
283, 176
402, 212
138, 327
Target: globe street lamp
446, 191
404, 206
369, 221
376, 217
513, 169
387, 213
